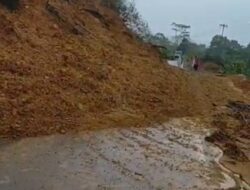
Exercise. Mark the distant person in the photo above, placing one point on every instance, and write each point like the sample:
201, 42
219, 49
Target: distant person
195, 63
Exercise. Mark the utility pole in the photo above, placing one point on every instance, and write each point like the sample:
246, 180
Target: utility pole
182, 29
223, 26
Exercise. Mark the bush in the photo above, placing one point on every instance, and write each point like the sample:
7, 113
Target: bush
10, 4
130, 15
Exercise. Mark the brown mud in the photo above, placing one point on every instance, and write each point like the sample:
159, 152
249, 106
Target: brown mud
232, 135
73, 65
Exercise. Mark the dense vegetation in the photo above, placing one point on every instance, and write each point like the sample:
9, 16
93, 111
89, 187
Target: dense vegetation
229, 54
130, 16
233, 57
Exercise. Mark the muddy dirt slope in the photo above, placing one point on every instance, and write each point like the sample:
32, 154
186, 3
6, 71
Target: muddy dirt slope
73, 65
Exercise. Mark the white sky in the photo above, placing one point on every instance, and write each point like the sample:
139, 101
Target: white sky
204, 16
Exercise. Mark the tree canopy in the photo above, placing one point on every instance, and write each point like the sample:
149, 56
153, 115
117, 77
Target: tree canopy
230, 54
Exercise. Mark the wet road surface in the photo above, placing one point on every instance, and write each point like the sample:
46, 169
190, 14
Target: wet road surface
168, 156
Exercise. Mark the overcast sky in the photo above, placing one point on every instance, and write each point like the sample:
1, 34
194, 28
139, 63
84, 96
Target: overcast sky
204, 16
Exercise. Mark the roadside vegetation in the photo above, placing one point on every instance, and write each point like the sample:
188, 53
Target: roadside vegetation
130, 16
228, 54
231, 56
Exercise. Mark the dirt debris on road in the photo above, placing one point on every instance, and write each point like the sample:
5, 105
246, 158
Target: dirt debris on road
232, 135
73, 66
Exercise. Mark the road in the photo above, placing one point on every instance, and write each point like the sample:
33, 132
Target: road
172, 156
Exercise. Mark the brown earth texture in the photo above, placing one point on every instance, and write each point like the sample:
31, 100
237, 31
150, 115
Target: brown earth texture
73, 65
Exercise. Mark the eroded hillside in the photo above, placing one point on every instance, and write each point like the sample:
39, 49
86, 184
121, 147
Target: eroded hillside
73, 65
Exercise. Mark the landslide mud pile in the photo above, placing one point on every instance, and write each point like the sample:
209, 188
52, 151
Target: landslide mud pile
232, 135
73, 65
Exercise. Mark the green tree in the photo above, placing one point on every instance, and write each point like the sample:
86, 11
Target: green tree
190, 49
230, 54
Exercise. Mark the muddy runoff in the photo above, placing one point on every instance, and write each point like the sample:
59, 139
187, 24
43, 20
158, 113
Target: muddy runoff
173, 155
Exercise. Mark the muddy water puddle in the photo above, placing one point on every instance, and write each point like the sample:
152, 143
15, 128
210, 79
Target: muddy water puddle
173, 155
